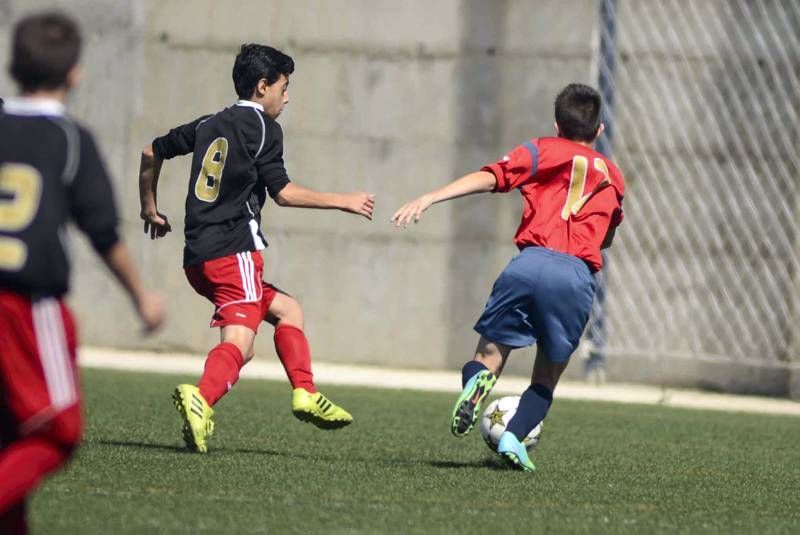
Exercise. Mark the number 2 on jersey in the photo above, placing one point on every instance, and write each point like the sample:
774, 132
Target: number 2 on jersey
206, 188
577, 184
20, 195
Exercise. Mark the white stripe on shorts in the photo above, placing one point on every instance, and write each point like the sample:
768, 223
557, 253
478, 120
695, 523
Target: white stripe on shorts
243, 275
247, 270
61, 360
51, 341
256, 284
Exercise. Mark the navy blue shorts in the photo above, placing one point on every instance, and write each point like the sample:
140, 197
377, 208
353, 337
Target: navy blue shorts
543, 297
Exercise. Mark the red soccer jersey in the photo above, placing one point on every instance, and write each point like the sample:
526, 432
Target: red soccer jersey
572, 195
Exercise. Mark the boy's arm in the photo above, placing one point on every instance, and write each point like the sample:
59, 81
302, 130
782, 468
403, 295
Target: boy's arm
356, 202
149, 306
149, 170
177, 142
94, 211
609, 239
478, 182
284, 192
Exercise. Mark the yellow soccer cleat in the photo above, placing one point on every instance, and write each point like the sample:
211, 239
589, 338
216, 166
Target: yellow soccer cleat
196, 414
318, 410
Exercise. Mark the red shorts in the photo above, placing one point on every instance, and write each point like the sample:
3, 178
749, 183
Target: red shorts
38, 379
233, 283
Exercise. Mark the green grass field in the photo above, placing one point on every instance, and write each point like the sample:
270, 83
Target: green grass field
602, 468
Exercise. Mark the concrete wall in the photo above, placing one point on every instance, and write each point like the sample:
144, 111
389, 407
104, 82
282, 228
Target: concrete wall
390, 97
393, 98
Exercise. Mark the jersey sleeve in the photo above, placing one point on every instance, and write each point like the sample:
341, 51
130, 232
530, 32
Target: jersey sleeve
269, 162
92, 197
618, 185
516, 168
617, 216
178, 141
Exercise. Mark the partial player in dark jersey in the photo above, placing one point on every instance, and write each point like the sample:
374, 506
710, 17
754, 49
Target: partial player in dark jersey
50, 173
572, 207
237, 162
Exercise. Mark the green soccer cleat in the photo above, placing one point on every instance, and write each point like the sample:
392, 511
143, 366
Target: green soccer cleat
318, 410
468, 405
196, 414
514, 451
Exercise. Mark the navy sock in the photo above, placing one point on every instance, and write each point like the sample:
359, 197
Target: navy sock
470, 368
532, 409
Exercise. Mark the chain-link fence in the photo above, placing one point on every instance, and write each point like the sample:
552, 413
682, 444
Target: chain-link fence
705, 98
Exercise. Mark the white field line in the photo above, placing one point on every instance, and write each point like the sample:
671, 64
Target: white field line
438, 381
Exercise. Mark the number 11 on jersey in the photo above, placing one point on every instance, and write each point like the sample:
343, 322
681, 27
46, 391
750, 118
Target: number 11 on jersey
577, 184
206, 187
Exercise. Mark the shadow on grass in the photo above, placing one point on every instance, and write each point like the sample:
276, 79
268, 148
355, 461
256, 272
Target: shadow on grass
497, 463
448, 464
182, 449
490, 463
145, 445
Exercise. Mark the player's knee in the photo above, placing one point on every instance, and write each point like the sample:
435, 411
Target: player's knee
292, 313
285, 310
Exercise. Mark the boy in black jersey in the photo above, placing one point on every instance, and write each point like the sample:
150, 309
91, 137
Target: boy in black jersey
50, 172
237, 161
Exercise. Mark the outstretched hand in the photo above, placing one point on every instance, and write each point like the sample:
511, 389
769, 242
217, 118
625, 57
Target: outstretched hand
156, 224
411, 210
359, 203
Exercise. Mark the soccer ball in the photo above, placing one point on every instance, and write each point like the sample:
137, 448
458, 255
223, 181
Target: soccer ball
495, 419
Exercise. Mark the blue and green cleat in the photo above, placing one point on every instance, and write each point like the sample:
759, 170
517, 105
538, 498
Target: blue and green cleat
515, 452
468, 405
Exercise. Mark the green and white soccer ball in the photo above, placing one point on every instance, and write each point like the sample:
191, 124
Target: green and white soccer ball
495, 419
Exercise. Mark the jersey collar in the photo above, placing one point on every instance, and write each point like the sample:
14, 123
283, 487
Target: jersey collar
250, 104
33, 106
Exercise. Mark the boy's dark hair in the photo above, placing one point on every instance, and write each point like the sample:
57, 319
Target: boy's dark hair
45, 47
255, 62
578, 112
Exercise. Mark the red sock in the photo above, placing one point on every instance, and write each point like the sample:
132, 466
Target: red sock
23, 464
295, 355
221, 371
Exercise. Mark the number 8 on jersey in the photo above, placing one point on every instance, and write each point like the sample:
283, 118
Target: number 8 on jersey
206, 188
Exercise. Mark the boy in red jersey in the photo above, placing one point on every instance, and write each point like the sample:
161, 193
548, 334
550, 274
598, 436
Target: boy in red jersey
573, 204
238, 161
50, 173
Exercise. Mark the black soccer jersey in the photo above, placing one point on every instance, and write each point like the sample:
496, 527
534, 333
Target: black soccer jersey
50, 172
238, 159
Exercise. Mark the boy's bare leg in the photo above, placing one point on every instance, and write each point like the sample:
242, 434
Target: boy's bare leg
240, 336
478, 377
492, 355
545, 371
